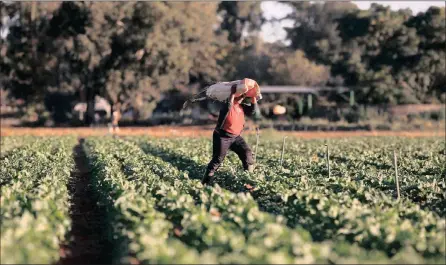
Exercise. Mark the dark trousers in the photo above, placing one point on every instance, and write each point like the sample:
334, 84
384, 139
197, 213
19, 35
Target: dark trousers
222, 143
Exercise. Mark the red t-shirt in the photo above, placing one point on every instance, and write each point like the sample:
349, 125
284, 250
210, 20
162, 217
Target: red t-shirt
235, 120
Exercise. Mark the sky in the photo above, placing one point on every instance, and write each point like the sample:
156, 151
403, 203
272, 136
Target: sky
274, 31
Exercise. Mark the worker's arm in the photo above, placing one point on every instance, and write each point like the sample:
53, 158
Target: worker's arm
225, 110
231, 98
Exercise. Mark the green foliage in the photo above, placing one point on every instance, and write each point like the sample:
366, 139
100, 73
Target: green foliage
26, 55
362, 191
387, 56
293, 68
240, 19
137, 228
9, 143
126, 52
35, 200
157, 211
216, 222
251, 61
134, 53
315, 28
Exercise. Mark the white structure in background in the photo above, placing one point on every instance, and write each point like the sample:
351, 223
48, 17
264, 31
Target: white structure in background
101, 108
8, 22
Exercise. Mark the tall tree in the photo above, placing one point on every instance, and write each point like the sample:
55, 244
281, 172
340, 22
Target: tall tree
240, 19
26, 49
429, 66
386, 56
315, 27
155, 47
293, 68
360, 60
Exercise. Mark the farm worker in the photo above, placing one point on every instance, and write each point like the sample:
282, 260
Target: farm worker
227, 136
116, 116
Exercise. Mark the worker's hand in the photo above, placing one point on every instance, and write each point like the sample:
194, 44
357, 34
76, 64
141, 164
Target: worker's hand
233, 89
254, 100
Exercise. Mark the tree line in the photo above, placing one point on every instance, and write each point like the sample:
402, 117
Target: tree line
137, 53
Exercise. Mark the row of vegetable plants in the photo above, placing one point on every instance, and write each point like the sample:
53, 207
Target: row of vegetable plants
158, 212
9, 143
138, 231
421, 165
262, 231
35, 200
199, 227
425, 229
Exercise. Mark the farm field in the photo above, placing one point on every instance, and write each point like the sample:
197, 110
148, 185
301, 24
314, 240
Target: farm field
138, 199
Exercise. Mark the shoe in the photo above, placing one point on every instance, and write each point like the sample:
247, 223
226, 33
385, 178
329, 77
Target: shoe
207, 179
251, 168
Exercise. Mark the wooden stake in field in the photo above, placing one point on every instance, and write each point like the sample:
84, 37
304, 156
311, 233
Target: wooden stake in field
283, 150
327, 156
434, 185
396, 175
257, 144
33, 10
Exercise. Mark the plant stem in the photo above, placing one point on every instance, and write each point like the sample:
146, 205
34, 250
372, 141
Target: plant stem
257, 144
327, 156
283, 150
396, 175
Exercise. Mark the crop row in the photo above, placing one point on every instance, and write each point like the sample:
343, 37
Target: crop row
260, 229
228, 226
342, 209
421, 165
8, 143
136, 228
35, 201
157, 211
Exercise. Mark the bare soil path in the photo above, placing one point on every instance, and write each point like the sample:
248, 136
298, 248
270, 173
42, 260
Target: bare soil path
87, 243
206, 131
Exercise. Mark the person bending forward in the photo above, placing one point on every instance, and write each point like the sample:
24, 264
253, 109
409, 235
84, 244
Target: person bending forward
227, 136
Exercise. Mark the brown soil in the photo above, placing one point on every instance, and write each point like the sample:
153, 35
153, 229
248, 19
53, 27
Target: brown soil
206, 131
87, 242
